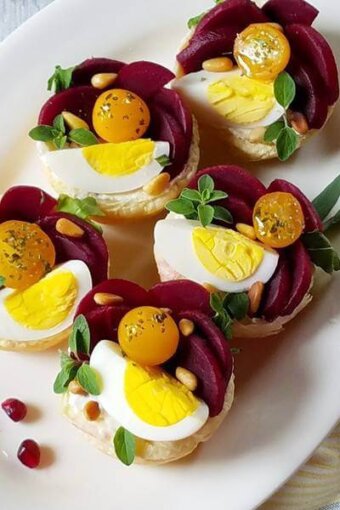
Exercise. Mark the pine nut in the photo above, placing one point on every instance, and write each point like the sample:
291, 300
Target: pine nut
218, 65
257, 134
75, 388
186, 327
74, 122
103, 80
246, 230
68, 228
158, 184
187, 378
255, 295
210, 288
91, 410
105, 298
299, 123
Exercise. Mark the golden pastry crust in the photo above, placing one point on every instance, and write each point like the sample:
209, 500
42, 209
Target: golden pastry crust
148, 452
136, 204
34, 345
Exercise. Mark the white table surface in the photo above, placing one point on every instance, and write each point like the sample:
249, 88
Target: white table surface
15, 12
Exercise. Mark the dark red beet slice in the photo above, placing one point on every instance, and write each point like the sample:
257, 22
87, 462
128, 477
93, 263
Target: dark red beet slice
302, 271
310, 98
290, 11
277, 291
143, 78
215, 338
90, 248
179, 295
311, 48
170, 102
83, 73
25, 203
195, 355
77, 100
131, 292
104, 321
234, 180
312, 219
240, 210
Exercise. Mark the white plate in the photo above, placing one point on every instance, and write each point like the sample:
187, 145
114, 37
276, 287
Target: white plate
287, 388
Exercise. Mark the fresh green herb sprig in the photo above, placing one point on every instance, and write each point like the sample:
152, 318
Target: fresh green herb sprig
59, 137
196, 204
2, 281
281, 132
83, 208
125, 446
61, 79
228, 308
163, 160
74, 368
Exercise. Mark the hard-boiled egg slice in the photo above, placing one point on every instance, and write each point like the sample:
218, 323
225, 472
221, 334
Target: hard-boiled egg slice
148, 402
47, 307
229, 99
215, 255
107, 167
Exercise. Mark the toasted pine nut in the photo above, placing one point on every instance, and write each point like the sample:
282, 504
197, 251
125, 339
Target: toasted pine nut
166, 310
91, 410
299, 123
246, 230
105, 298
158, 184
187, 378
75, 388
103, 80
186, 327
257, 134
276, 25
68, 228
209, 288
218, 64
255, 295
74, 122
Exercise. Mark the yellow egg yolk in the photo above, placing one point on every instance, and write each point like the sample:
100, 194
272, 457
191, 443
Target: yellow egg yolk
156, 397
242, 100
148, 335
226, 253
118, 159
46, 303
120, 116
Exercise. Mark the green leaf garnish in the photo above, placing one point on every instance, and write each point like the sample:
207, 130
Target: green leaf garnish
321, 251
227, 308
181, 206
81, 207
79, 341
194, 21
125, 446
163, 160
273, 131
2, 281
237, 305
59, 123
66, 375
60, 141
284, 89
43, 133
82, 137
191, 194
61, 79
206, 184
327, 199
88, 379
205, 214
216, 195
286, 143
334, 220
222, 214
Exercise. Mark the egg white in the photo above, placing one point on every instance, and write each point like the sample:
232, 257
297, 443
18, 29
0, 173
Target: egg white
193, 88
70, 166
12, 330
173, 242
108, 361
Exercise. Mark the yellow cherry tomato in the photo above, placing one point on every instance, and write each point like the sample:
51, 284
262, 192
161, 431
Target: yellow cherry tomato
262, 51
149, 336
26, 254
120, 116
278, 219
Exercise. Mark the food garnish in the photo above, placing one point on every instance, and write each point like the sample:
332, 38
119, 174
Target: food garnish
15, 409
61, 79
29, 453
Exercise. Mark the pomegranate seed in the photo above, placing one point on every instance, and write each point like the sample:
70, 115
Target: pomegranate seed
14, 408
29, 453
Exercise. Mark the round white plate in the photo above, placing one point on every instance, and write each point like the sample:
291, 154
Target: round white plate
288, 395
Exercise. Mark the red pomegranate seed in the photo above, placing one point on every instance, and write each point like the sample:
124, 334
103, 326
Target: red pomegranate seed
14, 408
29, 453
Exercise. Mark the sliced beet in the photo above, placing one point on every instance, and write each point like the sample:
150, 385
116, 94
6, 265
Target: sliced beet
309, 46
103, 322
133, 295
83, 73
170, 101
312, 219
90, 248
25, 203
195, 355
240, 210
234, 180
179, 295
207, 329
77, 100
277, 291
302, 272
290, 11
143, 78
